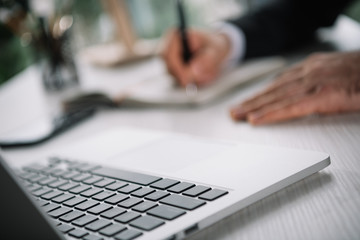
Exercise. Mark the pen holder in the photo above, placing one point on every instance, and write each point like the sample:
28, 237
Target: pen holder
58, 66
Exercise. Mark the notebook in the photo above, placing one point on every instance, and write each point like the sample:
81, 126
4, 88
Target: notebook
143, 184
158, 89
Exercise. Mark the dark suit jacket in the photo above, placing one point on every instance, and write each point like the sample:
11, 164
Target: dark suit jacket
283, 24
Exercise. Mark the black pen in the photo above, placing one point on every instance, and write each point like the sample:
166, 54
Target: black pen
191, 87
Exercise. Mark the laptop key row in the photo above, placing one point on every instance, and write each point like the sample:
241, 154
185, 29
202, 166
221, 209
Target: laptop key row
113, 203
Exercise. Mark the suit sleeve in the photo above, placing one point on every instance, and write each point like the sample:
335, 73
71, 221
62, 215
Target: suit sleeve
284, 24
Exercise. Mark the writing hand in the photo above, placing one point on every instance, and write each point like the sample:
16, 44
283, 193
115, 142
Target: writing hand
209, 51
322, 84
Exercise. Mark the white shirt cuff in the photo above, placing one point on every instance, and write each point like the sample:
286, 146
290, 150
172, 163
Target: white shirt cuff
237, 41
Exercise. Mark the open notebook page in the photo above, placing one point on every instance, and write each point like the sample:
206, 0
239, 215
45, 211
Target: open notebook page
161, 90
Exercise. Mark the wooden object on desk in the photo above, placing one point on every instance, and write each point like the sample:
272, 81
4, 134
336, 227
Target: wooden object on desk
128, 47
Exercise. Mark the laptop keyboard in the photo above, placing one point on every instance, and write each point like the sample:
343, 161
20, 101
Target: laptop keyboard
93, 202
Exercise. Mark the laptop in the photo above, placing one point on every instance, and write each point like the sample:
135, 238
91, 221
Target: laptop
142, 184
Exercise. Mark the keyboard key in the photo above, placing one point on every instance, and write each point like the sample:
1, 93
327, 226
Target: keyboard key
48, 170
142, 192
213, 194
74, 201
139, 178
81, 177
112, 230
91, 192
41, 202
103, 195
104, 182
34, 187
59, 172
56, 172
37, 176
41, 191
38, 179
129, 188
92, 237
78, 233
144, 206
182, 202
99, 208
98, 224
47, 180
50, 207
128, 234
166, 212
70, 174
127, 217
26, 175
146, 223
74, 165
164, 184
58, 183
86, 205
116, 185
69, 217
93, 180
130, 202
64, 228
111, 213
26, 183
62, 198
59, 212
88, 167
79, 189
51, 195
84, 220
68, 186
196, 191
55, 222
116, 199
31, 176
178, 188
156, 196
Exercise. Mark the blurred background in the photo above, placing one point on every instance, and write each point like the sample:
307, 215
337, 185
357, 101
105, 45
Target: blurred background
90, 23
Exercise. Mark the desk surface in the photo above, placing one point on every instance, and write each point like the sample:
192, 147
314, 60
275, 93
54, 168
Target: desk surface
323, 206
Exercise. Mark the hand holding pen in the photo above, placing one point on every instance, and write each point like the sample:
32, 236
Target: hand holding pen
194, 57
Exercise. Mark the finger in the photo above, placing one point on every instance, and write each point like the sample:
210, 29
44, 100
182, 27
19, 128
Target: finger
285, 79
205, 65
261, 101
299, 106
197, 40
169, 49
173, 59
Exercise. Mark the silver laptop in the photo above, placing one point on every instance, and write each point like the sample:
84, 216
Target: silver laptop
141, 184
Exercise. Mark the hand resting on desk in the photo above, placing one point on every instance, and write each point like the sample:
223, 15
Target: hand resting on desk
322, 84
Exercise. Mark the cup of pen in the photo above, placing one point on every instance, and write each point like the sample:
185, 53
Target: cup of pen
58, 65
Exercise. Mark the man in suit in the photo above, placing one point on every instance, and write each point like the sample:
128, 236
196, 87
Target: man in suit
323, 83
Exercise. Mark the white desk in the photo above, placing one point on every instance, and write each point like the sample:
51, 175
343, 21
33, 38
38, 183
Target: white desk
323, 206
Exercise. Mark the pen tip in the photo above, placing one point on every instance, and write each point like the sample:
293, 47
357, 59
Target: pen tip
191, 89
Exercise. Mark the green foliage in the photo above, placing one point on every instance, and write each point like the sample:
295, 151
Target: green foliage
353, 10
13, 56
